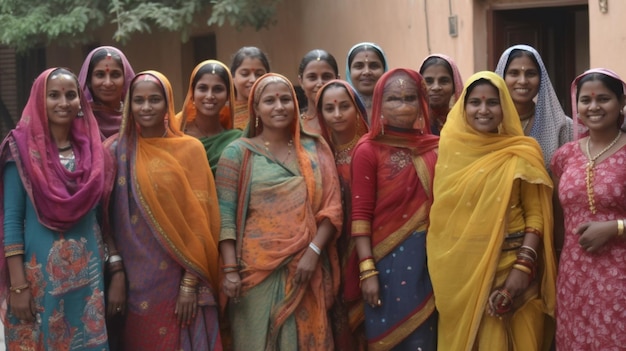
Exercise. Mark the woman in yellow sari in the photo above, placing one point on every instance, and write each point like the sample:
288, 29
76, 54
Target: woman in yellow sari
489, 247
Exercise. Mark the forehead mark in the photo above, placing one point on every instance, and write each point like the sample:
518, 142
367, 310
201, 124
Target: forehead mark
213, 69
593, 93
319, 55
335, 100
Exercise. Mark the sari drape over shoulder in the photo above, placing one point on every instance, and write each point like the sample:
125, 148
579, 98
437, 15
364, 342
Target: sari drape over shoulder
166, 222
469, 220
551, 127
108, 119
392, 174
272, 210
49, 216
214, 144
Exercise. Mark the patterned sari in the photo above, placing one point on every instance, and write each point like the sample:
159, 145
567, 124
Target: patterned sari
50, 216
272, 210
166, 222
392, 174
347, 313
487, 187
214, 144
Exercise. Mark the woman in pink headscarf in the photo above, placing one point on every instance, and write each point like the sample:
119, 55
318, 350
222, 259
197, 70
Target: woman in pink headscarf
590, 175
104, 79
54, 178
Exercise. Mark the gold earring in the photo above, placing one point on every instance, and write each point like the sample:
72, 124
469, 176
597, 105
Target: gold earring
256, 124
382, 125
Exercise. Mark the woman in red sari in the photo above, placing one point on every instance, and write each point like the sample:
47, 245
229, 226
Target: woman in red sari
392, 174
343, 121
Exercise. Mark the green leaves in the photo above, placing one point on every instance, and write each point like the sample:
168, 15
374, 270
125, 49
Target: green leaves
28, 23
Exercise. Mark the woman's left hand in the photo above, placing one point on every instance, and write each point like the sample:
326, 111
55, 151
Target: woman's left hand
116, 294
593, 235
186, 306
516, 283
306, 267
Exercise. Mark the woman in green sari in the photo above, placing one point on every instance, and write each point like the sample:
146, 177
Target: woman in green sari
208, 112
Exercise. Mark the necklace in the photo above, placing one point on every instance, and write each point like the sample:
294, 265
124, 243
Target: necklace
65, 148
305, 117
590, 165
266, 145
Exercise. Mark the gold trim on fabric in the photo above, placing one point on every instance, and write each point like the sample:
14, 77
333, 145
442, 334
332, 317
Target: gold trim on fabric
361, 226
418, 222
409, 326
423, 174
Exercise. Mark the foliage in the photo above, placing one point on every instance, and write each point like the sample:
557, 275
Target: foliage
28, 23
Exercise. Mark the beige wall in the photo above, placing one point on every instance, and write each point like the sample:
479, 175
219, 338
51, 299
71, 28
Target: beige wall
399, 26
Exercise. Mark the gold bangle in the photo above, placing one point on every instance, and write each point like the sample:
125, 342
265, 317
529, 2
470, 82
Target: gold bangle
524, 269
368, 275
190, 282
188, 289
367, 265
620, 227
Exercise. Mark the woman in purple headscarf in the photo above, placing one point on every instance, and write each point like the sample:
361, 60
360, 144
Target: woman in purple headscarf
104, 79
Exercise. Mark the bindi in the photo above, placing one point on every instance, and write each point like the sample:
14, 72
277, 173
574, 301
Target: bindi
107, 68
593, 94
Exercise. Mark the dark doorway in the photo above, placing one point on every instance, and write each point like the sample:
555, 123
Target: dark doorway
560, 34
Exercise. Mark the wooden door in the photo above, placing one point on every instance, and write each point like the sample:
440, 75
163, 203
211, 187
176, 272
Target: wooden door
549, 30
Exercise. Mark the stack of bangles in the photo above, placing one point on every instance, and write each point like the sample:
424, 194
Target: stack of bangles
189, 284
525, 262
229, 268
367, 269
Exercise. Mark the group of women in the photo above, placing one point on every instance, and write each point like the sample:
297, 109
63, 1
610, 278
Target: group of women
396, 210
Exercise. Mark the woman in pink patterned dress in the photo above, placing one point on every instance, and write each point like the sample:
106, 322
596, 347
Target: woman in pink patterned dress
590, 175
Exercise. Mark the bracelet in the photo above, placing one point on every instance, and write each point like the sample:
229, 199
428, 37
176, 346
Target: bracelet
230, 269
114, 258
315, 248
367, 265
19, 289
524, 269
505, 305
367, 275
189, 282
620, 227
231, 265
528, 250
188, 289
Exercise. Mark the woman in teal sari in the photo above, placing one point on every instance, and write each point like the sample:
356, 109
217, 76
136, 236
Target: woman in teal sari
208, 112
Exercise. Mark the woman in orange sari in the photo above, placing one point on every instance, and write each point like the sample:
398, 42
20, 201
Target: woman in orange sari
392, 172
166, 222
281, 212
343, 121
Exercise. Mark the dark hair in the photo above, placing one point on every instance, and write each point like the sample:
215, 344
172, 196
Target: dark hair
98, 56
63, 70
614, 85
366, 47
516, 53
249, 52
477, 82
212, 68
325, 88
319, 55
436, 61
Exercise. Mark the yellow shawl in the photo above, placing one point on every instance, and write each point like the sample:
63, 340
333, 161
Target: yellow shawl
473, 183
